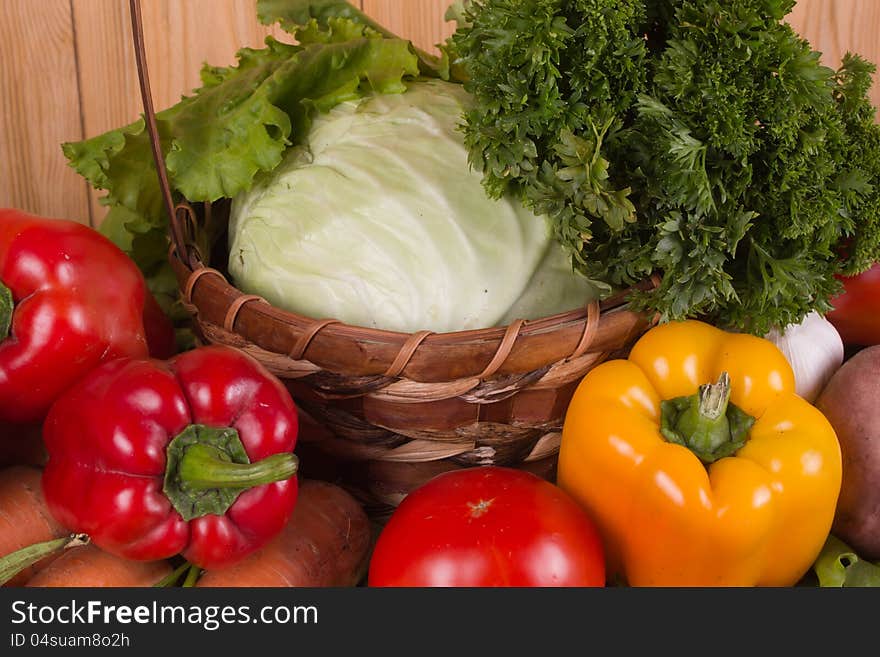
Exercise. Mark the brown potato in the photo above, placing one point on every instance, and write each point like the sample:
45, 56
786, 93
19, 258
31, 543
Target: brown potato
851, 402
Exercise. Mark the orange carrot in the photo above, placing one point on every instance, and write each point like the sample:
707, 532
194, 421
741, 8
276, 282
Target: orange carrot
24, 517
326, 542
90, 566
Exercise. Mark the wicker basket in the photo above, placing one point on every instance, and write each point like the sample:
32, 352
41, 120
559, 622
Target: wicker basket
385, 411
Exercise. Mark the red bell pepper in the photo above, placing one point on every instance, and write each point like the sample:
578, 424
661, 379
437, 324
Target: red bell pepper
69, 300
191, 456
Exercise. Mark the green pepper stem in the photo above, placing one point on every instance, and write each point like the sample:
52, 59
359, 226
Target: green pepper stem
171, 578
13, 563
7, 306
207, 468
714, 398
706, 422
204, 468
192, 576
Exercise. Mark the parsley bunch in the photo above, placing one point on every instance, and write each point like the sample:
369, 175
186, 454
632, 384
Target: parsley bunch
701, 139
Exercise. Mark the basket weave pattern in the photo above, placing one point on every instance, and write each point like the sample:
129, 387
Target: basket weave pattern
389, 410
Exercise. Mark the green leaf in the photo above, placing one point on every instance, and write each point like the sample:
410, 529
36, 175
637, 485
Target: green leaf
115, 226
838, 565
90, 157
457, 12
737, 228
292, 14
334, 31
232, 131
238, 125
235, 127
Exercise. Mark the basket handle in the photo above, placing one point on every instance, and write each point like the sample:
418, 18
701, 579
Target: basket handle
181, 215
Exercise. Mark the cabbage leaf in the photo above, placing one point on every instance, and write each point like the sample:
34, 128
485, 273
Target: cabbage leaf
378, 221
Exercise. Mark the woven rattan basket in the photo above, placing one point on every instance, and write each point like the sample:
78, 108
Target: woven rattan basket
384, 411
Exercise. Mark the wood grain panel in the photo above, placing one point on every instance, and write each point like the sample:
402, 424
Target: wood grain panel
67, 71
180, 36
418, 20
39, 108
834, 27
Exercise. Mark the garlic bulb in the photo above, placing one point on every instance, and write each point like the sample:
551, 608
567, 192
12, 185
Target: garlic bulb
814, 349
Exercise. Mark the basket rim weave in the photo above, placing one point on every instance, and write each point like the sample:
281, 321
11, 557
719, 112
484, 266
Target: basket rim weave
226, 310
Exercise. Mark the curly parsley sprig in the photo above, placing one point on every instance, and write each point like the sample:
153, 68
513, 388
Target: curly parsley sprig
698, 138
551, 81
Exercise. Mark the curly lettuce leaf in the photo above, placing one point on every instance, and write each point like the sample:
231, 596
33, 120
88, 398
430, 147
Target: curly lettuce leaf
291, 14
839, 566
458, 12
242, 120
211, 159
236, 126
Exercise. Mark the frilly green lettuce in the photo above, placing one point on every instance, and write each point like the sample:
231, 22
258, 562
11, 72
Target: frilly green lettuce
239, 123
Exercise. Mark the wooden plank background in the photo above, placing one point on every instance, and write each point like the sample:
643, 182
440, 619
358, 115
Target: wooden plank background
67, 71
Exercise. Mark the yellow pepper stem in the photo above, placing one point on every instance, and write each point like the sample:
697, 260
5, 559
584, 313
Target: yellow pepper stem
706, 422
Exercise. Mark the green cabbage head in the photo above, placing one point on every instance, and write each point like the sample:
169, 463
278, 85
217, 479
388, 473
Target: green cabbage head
378, 221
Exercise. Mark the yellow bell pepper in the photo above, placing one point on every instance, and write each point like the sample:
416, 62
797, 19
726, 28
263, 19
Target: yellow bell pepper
699, 463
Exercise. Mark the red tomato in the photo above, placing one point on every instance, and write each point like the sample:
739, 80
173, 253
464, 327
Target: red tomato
488, 526
856, 314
